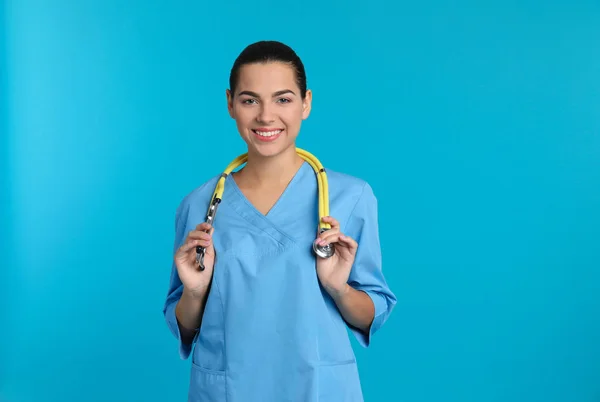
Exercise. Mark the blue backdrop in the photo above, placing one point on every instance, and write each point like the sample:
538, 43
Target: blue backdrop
477, 126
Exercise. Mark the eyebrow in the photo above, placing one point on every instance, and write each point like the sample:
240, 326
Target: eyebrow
278, 93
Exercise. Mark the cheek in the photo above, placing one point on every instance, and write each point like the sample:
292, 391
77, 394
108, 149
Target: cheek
243, 116
293, 116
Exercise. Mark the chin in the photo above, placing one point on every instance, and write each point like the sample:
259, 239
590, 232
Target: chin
269, 149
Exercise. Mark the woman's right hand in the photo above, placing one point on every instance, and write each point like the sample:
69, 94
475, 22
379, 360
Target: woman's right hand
194, 280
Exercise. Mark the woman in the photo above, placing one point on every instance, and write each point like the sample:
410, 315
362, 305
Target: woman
266, 318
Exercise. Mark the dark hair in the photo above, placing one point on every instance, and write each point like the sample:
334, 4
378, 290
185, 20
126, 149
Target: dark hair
264, 52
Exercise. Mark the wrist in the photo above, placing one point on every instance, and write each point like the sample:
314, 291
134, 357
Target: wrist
337, 292
197, 293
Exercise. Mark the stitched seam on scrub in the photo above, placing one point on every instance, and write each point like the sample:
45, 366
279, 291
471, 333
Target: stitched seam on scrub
208, 371
253, 210
225, 371
341, 363
362, 192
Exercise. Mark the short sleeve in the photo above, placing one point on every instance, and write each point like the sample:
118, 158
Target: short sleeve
175, 289
367, 274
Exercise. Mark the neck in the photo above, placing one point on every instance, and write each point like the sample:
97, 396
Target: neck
260, 171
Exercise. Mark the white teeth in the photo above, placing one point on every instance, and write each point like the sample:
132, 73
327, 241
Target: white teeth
267, 133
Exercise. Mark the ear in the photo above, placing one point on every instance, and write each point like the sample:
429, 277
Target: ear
306, 104
229, 103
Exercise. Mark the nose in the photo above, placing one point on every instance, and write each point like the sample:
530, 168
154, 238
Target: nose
265, 115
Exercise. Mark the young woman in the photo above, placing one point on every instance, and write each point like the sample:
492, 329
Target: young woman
266, 316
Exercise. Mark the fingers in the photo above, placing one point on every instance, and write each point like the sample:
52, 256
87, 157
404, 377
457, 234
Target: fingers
341, 241
204, 231
190, 244
328, 236
204, 226
332, 221
198, 237
334, 235
348, 241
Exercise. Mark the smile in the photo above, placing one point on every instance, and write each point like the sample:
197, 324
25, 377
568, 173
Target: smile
267, 134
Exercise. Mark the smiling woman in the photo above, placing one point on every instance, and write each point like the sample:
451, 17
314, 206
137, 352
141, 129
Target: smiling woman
265, 317
268, 100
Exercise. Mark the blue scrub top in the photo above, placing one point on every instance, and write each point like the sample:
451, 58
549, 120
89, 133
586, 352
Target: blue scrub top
270, 332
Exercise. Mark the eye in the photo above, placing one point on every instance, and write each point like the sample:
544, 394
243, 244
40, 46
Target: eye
284, 100
248, 101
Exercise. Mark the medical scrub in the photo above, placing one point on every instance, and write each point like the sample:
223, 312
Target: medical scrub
270, 332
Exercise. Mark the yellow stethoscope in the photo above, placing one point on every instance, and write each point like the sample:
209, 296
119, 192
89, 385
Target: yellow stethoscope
322, 251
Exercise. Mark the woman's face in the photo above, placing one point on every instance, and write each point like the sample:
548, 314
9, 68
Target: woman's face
268, 107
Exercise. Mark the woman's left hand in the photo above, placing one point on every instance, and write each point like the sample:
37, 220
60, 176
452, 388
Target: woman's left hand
334, 272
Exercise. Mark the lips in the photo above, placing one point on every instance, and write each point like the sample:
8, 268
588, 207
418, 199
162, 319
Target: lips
265, 134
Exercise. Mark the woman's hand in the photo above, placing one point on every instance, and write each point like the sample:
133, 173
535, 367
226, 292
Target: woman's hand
196, 282
333, 272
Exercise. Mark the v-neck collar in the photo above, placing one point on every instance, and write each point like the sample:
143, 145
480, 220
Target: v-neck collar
234, 196
295, 178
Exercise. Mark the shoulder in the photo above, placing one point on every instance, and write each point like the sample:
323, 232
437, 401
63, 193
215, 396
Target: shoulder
353, 203
349, 196
200, 195
349, 188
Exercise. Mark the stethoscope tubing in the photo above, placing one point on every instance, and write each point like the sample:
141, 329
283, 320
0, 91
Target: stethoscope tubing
323, 192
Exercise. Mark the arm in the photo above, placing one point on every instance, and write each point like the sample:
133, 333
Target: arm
183, 309
356, 307
189, 311
368, 301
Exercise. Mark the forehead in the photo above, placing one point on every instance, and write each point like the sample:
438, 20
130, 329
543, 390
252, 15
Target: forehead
267, 77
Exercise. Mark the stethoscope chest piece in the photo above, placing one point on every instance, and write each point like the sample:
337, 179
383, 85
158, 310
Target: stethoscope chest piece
323, 251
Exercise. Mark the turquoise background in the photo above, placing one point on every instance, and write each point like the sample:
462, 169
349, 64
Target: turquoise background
477, 125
